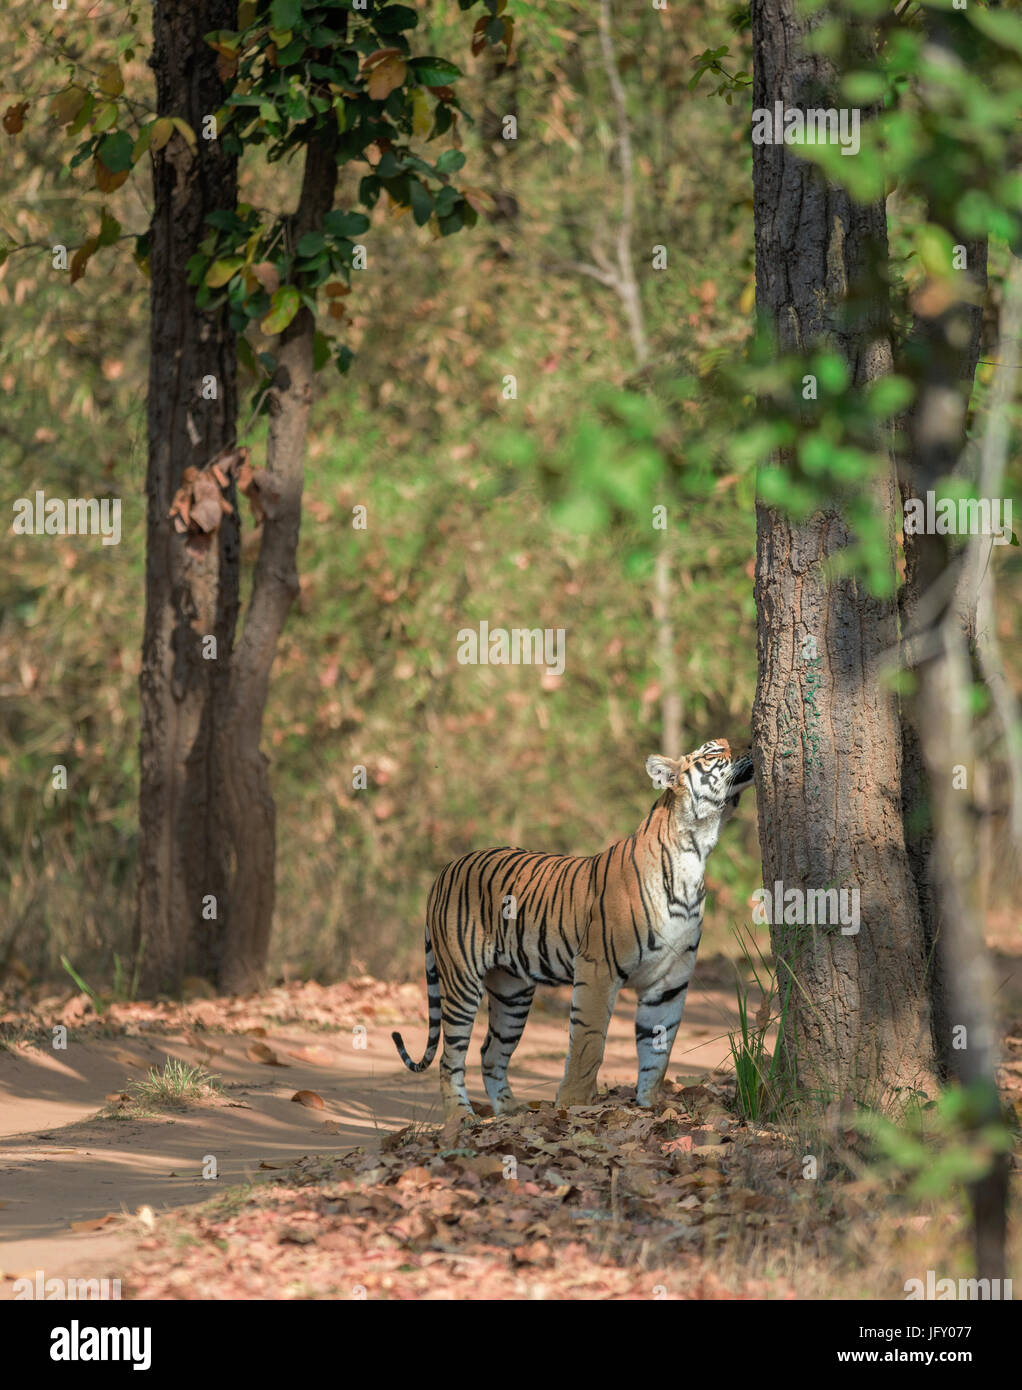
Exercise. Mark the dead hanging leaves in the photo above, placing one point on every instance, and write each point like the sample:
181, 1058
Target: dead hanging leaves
199, 504
14, 118
385, 70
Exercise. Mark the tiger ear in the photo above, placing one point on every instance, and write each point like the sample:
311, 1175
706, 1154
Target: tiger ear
664, 772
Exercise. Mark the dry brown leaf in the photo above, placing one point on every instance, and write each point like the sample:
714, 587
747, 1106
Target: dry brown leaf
259, 1052
386, 69
14, 118
682, 1144
483, 1165
415, 1177
95, 1223
268, 276
309, 1098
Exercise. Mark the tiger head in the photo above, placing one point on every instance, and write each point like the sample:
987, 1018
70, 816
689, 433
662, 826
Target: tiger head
708, 782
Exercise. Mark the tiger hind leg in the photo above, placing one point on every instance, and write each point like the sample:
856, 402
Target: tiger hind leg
459, 1012
592, 1003
510, 999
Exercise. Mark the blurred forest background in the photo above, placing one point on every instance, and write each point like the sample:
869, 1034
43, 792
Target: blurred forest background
527, 512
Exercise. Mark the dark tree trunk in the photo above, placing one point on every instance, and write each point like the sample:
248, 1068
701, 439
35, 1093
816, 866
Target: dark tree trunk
939, 626
940, 357
189, 596
249, 824
828, 737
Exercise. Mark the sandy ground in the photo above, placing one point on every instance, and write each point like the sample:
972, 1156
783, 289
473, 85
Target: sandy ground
68, 1157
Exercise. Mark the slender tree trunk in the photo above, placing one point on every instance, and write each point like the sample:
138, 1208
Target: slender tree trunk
942, 609
670, 688
828, 737
190, 595
940, 357
249, 826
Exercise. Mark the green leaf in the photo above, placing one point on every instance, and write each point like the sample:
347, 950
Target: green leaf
450, 161
888, 396
285, 14
246, 356
446, 200
283, 307
388, 167
140, 146
864, 88
1004, 29
116, 151
832, 371
311, 244
106, 117
392, 19
434, 72
345, 223
221, 271
84, 115
422, 203
109, 229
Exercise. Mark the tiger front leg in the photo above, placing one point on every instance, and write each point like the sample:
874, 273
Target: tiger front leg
592, 1003
657, 1018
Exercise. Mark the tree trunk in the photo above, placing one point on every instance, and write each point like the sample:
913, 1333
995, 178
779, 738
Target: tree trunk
249, 826
939, 624
670, 688
189, 595
940, 357
827, 736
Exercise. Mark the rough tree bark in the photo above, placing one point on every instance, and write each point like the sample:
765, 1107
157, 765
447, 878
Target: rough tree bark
189, 595
241, 767
827, 736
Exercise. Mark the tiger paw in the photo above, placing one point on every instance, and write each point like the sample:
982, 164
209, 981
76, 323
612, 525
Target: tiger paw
579, 1096
461, 1119
511, 1106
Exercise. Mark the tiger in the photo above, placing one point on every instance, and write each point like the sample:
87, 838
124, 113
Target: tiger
508, 920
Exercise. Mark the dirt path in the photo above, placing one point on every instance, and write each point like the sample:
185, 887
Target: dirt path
76, 1169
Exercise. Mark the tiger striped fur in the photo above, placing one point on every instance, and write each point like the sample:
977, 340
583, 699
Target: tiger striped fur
507, 920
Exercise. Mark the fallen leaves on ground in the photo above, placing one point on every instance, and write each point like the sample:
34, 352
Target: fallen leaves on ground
344, 1005
606, 1201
